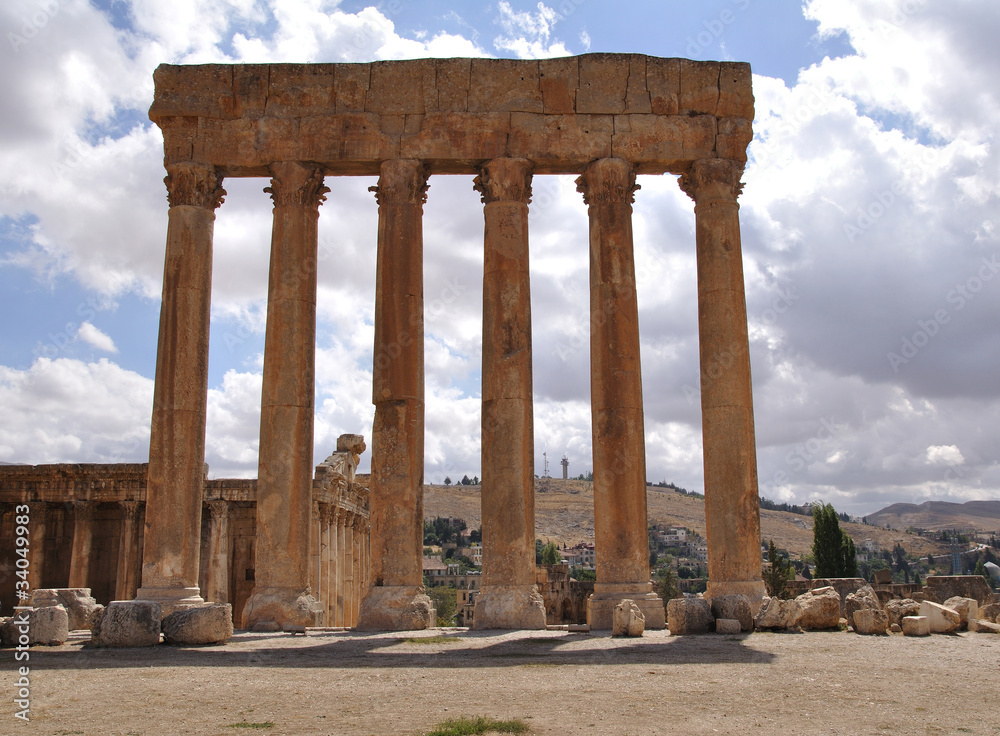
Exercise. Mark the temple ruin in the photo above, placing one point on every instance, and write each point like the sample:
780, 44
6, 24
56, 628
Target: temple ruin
604, 118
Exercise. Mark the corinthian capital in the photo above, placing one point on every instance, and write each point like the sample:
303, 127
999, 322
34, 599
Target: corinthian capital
608, 180
293, 183
401, 181
713, 179
504, 180
195, 185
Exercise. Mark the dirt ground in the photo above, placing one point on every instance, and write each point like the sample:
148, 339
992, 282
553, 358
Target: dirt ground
558, 682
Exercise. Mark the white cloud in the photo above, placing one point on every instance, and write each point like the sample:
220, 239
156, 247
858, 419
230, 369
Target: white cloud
529, 35
93, 336
944, 455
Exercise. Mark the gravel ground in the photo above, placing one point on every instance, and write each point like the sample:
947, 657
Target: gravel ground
558, 682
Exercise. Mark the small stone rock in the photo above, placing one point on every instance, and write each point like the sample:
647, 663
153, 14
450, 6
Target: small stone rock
776, 613
128, 624
868, 621
201, 625
689, 616
987, 627
895, 628
940, 619
734, 607
989, 612
916, 626
863, 598
898, 608
628, 619
966, 608
78, 602
49, 626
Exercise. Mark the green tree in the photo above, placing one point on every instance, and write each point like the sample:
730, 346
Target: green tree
667, 587
981, 570
539, 545
776, 577
445, 600
447, 481
583, 574
550, 554
833, 548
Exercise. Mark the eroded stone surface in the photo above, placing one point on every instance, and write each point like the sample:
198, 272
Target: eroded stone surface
861, 599
966, 608
940, 620
727, 626
916, 626
398, 608
939, 588
79, 604
736, 607
819, 609
689, 616
869, 621
897, 609
776, 613
128, 624
629, 620
509, 607
202, 625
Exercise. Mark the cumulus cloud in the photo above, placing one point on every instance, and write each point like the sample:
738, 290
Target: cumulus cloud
94, 337
528, 35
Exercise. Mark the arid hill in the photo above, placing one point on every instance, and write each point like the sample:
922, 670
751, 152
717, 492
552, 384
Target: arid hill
937, 515
564, 513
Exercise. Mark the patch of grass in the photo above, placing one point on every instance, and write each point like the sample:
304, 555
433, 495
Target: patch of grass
430, 640
244, 724
471, 726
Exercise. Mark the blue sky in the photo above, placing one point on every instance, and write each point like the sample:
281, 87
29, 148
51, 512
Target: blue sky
869, 225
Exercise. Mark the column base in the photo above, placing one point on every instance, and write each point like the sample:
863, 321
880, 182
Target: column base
171, 599
396, 608
509, 607
601, 605
752, 589
282, 607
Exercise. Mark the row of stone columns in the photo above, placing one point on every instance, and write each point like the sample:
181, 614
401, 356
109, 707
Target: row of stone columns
341, 561
396, 599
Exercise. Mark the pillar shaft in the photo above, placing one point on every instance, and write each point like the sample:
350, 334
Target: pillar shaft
176, 473
218, 551
396, 600
38, 519
284, 477
509, 598
83, 535
128, 552
732, 506
316, 581
330, 563
349, 590
621, 536
341, 569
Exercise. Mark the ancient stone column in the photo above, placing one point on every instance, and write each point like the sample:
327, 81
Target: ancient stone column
330, 563
396, 600
621, 537
176, 476
509, 597
37, 521
349, 589
128, 552
341, 566
285, 466
218, 552
732, 507
316, 553
83, 534
359, 583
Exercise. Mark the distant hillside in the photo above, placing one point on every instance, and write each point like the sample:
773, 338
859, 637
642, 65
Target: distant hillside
937, 515
564, 513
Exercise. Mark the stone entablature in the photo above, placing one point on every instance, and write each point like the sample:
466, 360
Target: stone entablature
452, 114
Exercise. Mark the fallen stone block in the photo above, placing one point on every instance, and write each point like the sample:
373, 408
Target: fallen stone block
843, 586
916, 626
49, 626
863, 598
940, 619
819, 609
689, 616
128, 624
900, 607
202, 625
895, 628
776, 613
628, 619
985, 627
989, 612
870, 621
736, 607
939, 588
728, 626
79, 604
967, 609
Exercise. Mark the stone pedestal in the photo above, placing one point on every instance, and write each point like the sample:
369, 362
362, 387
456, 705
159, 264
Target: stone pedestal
509, 598
621, 537
732, 507
397, 477
176, 473
284, 479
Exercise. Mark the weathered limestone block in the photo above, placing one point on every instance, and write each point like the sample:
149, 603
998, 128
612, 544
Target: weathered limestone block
986, 627
452, 84
940, 619
727, 626
559, 80
967, 609
916, 626
898, 608
396, 608
863, 598
776, 613
603, 83
989, 612
504, 85
300, 90
79, 604
555, 140
128, 624
401, 87
735, 95
273, 604
689, 616
869, 621
699, 92
819, 609
843, 586
49, 626
629, 620
509, 607
202, 625
663, 81
883, 577
939, 588
736, 607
